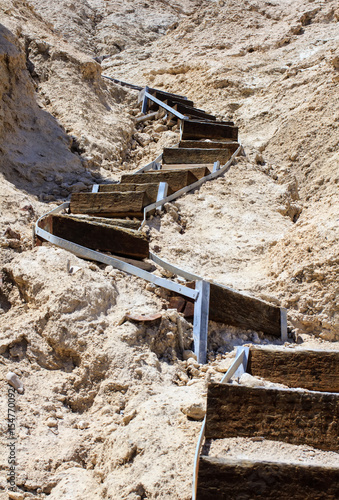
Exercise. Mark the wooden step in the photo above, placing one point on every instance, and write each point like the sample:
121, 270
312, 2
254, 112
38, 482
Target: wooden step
228, 144
296, 417
191, 111
129, 224
239, 479
195, 129
315, 370
128, 204
176, 179
183, 166
102, 237
171, 98
151, 190
203, 155
243, 311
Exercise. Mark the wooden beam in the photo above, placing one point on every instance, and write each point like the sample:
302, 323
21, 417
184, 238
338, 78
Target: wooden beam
235, 478
176, 179
102, 237
151, 189
297, 417
312, 370
203, 155
183, 166
128, 204
227, 144
173, 98
194, 129
243, 311
190, 111
129, 224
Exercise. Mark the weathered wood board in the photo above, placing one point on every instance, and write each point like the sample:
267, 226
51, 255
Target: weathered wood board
238, 479
231, 145
176, 179
195, 129
190, 111
183, 166
243, 311
151, 190
128, 204
297, 417
102, 237
312, 370
171, 98
129, 224
203, 155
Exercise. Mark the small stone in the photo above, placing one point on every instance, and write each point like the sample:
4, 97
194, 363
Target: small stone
259, 159
15, 495
195, 411
52, 422
15, 382
187, 355
83, 424
160, 128
78, 187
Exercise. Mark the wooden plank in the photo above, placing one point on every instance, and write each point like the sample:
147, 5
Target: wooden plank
312, 370
128, 204
194, 129
171, 98
183, 166
191, 111
239, 479
296, 417
203, 155
151, 189
176, 179
229, 144
243, 311
102, 237
129, 224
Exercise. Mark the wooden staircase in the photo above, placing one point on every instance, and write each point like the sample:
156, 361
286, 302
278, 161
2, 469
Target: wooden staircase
308, 415
100, 221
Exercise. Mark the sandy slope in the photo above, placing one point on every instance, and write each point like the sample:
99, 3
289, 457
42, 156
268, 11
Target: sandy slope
104, 409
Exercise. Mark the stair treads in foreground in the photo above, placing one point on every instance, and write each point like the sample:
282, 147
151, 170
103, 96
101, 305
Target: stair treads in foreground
312, 370
297, 417
203, 155
238, 479
128, 204
195, 129
102, 237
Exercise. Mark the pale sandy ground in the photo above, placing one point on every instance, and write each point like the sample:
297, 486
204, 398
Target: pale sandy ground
104, 413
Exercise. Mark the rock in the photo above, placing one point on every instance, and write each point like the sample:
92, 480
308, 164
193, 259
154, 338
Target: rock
187, 355
160, 128
11, 234
52, 422
195, 411
82, 424
259, 159
15, 382
15, 495
223, 366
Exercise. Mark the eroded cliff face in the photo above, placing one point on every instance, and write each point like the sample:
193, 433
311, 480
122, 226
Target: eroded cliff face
104, 413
